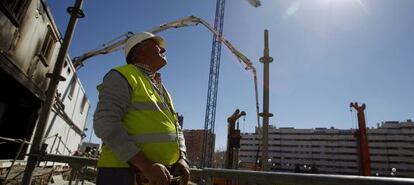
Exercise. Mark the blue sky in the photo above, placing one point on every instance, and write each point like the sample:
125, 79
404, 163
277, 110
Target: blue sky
326, 53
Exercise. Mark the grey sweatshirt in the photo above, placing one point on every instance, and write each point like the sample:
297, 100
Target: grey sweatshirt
114, 99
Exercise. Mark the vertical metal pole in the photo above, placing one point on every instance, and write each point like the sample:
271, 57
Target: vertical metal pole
266, 60
57, 149
58, 145
71, 176
35, 150
51, 149
53, 144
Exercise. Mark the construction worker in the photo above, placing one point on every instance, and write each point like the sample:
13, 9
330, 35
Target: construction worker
136, 120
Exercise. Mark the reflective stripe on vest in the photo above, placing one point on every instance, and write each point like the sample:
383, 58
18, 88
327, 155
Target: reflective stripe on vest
147, 106
148, 121
154, 138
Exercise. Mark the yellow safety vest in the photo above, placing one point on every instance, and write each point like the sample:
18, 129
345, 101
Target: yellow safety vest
149, 121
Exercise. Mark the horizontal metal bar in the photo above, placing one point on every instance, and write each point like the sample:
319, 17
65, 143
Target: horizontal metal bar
283, 178
14, 140
62, 114
74, 160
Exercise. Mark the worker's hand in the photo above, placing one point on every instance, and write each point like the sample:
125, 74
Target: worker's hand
155, 173
182, 169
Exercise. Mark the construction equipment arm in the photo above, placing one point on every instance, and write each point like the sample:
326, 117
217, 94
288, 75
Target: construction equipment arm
117, 44
248, 65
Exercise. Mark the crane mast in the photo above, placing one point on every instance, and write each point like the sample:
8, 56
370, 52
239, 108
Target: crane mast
363, 148
210, 116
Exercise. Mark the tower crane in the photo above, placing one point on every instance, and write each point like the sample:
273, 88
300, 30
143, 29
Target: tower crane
210, 116
117, 44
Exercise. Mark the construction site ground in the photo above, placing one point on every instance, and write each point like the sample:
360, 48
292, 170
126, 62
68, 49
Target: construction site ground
59, 175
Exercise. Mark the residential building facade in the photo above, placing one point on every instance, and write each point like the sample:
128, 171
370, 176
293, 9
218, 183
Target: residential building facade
335, 151
194, 142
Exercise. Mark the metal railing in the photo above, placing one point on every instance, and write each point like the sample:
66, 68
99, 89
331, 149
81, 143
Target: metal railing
245, 177
22, 142
283, 178
77, 164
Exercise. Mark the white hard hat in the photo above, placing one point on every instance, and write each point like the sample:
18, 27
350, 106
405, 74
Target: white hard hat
139, 37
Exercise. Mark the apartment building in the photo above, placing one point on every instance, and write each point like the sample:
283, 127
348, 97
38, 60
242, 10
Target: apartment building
194, 143
334, 151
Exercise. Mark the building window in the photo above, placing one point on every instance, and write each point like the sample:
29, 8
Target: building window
14, 10
65, 64
47, 47
72, 87
83, 104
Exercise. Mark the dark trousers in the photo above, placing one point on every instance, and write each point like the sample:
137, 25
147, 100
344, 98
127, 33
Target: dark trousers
116, 176
123, 176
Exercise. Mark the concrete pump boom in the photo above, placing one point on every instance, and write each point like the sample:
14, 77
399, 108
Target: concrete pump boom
117, 44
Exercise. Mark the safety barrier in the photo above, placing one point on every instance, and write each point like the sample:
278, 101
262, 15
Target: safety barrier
246, 177
281, 178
